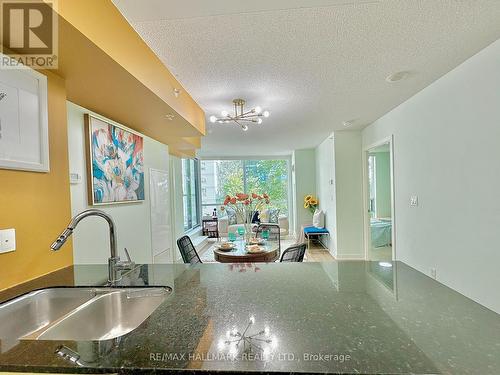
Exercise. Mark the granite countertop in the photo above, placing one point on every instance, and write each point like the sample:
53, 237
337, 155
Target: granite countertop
338, 317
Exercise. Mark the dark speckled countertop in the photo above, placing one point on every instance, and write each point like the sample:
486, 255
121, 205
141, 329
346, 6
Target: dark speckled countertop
339, 317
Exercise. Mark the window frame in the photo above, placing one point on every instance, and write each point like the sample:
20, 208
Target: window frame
197, 187
244, 160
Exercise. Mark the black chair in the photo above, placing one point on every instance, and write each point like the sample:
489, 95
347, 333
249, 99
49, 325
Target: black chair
274, 233
188, 252
294, 253
273, 229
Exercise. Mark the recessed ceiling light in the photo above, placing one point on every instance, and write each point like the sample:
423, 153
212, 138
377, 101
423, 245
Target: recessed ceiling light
398, 76
347, 124
385, 264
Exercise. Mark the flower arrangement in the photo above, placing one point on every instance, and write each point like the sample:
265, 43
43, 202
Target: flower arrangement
311, 203
245, 206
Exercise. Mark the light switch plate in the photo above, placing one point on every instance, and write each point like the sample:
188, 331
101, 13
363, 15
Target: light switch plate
7, 240
414, 201
75, 178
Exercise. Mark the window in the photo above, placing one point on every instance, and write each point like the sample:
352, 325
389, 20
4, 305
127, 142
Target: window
191, 193
223, 177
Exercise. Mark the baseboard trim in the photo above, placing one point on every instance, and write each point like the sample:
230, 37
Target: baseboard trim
350, 257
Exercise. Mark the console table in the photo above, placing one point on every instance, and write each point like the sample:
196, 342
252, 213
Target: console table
210, 227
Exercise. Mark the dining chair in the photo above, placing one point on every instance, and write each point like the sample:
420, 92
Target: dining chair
188, 252
294, 253
274, 232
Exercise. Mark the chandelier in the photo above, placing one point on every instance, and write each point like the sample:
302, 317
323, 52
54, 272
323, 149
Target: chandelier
241, 117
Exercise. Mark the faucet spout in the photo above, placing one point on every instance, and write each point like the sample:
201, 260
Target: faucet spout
114, 260
57, 244
61, 240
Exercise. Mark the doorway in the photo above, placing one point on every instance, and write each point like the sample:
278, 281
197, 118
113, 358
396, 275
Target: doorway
379, 202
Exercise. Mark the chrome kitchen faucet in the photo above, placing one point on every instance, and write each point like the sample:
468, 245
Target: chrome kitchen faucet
115, 266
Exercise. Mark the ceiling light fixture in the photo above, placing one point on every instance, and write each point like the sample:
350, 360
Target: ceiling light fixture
241, 116
347, 124
398, 76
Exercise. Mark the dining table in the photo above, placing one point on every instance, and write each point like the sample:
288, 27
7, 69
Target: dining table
239, 253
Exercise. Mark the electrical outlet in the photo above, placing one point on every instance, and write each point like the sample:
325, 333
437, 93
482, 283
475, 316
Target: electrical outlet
414, 201
7, 240
433, 273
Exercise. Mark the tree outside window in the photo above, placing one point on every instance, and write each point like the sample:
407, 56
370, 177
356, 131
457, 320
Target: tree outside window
228, 177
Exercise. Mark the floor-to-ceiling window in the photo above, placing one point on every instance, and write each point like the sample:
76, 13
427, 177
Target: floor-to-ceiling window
191, 193
222, 177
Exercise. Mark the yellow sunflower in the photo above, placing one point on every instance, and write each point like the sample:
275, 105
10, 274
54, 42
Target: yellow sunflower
313, 202
306, 205
308, 198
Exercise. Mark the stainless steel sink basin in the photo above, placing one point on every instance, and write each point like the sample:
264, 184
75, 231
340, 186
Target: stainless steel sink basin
107, 316
36, 310
78, 314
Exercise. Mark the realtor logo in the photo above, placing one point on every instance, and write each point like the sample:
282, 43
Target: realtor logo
29, 34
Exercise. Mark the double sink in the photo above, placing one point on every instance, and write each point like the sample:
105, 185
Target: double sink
78, 314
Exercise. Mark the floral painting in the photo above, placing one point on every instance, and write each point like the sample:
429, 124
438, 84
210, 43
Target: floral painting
116, 163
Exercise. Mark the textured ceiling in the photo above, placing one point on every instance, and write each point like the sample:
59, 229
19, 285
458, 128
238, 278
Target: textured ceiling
313, 64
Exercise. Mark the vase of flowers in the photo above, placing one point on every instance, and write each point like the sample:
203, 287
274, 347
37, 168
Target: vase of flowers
311, 203
245, 206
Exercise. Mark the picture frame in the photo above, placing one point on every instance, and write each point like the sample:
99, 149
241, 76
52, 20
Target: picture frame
115, 163
24, 123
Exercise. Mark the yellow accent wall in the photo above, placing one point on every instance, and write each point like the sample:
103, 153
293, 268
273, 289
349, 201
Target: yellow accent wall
37, 205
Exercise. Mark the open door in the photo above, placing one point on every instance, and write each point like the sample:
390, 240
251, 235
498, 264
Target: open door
379, 202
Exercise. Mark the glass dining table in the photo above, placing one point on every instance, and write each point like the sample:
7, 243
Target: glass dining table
239, 254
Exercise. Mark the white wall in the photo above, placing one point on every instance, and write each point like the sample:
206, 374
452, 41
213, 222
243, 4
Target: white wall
339, 184
447, 151
325, 188
303, 183
349, 194
133, 221
383, 184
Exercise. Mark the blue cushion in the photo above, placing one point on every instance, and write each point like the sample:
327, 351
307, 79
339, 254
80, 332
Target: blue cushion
314, 230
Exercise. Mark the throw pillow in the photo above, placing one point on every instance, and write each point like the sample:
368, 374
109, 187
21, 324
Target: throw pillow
255, 218
264, 216
231, 217
274, 214
319, 219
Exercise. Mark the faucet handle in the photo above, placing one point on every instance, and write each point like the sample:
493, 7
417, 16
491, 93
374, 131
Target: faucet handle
127, 255
126, 264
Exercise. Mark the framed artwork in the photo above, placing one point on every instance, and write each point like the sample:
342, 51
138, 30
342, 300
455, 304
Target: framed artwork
115, 163
24, 130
